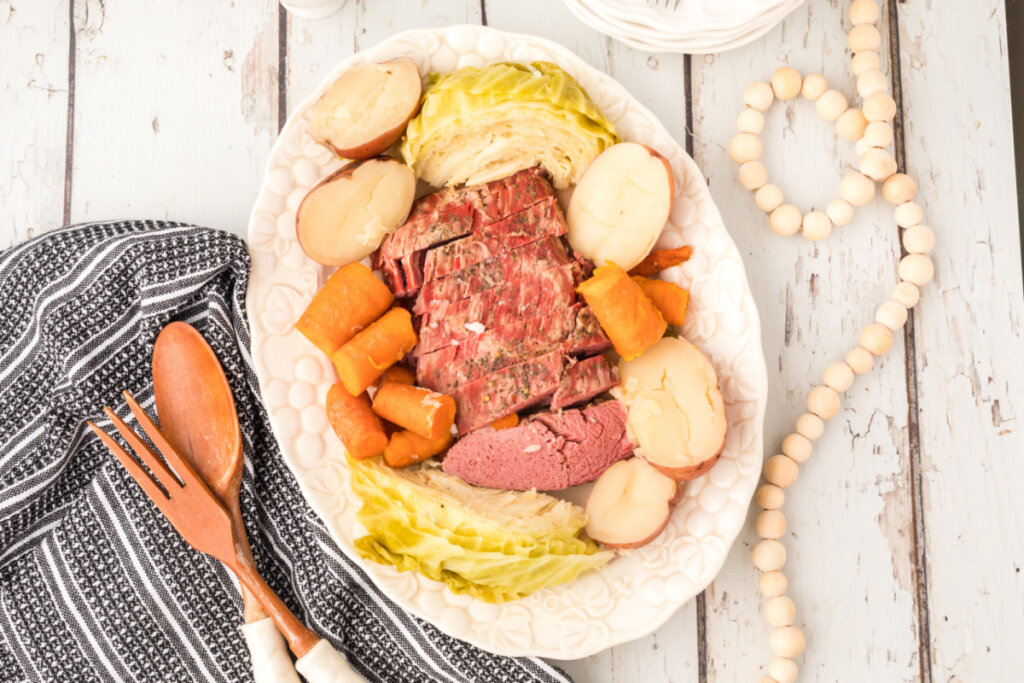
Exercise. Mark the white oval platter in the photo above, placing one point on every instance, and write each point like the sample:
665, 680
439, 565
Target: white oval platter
636, 592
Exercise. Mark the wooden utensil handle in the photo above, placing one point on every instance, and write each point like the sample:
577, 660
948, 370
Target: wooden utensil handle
300, 639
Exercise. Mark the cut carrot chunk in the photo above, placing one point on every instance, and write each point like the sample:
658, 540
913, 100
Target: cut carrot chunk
367, 355
419, 410
660, 259
352, 299
669, 298
355, 423
627, 316
407, 447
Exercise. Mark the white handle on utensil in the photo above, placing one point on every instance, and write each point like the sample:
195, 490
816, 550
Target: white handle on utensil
270, 660
324, 664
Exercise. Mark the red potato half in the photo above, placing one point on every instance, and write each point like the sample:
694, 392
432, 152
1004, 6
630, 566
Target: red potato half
366, 110
675, 414
630, 504
620, 205
346, 216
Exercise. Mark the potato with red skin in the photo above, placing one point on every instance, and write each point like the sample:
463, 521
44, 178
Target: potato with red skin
621, 205
675, 414
630, 504
366, 110
346, 216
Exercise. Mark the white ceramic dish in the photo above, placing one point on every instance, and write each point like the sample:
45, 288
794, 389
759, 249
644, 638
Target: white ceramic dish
635, 593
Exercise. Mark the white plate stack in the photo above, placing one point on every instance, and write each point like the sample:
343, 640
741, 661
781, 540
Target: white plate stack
687, 26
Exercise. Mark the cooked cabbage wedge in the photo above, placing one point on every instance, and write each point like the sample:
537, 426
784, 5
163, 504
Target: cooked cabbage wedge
482, 124
493, 545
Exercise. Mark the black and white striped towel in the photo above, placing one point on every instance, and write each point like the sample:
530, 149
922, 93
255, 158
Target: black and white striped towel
95, 585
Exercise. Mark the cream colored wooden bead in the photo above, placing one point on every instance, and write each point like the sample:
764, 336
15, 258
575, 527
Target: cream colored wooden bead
907, 294
785, 220
769, 555
745, 147
781, 470
917, 268
810, 425
770, 524
838, 376
865, 61
877, 164
817, 226
753, 175
814, 86
798, 447
786, 83
851, 124
758, 96
770, 496
862, 146
919, 239
870, 82
879, 107
831, 105
823, 402
864, 37
878, 133
783, 670
863, 12
876, 338
768, 198
908, 214
839, 211
787, 641
780, 611
860, 360
899, 188
856, 188
773, 584
750, 121
892, 314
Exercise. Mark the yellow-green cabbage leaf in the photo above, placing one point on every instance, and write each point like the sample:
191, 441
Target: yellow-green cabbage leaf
482, 124
493, 545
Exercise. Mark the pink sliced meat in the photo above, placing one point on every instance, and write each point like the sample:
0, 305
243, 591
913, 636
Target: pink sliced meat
549, 452
571, 330
505, 267
509, 390
584, 380
540, 220
546, 291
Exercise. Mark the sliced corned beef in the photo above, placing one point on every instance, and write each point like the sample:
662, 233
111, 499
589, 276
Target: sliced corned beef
530, 224
546, 291
584, 380
549, 452
570, 330
509, 390
500, 269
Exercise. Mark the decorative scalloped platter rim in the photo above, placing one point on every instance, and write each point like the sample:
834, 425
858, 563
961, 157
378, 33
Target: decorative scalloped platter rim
638, 591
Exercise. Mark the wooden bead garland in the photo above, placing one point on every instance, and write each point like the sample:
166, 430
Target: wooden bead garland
870, 128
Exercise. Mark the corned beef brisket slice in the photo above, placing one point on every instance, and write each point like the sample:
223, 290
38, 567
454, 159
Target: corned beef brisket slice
549, 452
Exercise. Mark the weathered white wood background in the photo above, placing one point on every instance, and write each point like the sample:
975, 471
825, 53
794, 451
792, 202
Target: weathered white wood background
908, 543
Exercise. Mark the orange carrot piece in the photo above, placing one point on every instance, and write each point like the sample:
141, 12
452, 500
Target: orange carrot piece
355, 423
669, 298
367, 355
352, 299
626, 315
506, 422
397, 373
419, 410
660, 259
407, 447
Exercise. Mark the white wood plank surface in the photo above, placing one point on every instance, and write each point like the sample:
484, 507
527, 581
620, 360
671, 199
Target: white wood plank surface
905, 561
850, 562
34, 40
968, 338
175, 109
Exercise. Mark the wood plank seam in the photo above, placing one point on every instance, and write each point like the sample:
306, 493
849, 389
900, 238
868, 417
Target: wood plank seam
924, 649
483, 12
282, 66
69, 139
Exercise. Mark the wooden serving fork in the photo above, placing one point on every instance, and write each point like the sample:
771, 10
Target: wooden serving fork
193, 510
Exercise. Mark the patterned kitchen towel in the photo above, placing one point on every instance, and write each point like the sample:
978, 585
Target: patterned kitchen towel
95, 585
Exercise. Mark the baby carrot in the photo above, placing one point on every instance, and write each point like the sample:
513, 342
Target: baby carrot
367, 355
352, 299
407, 447
353, 420
421, 411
